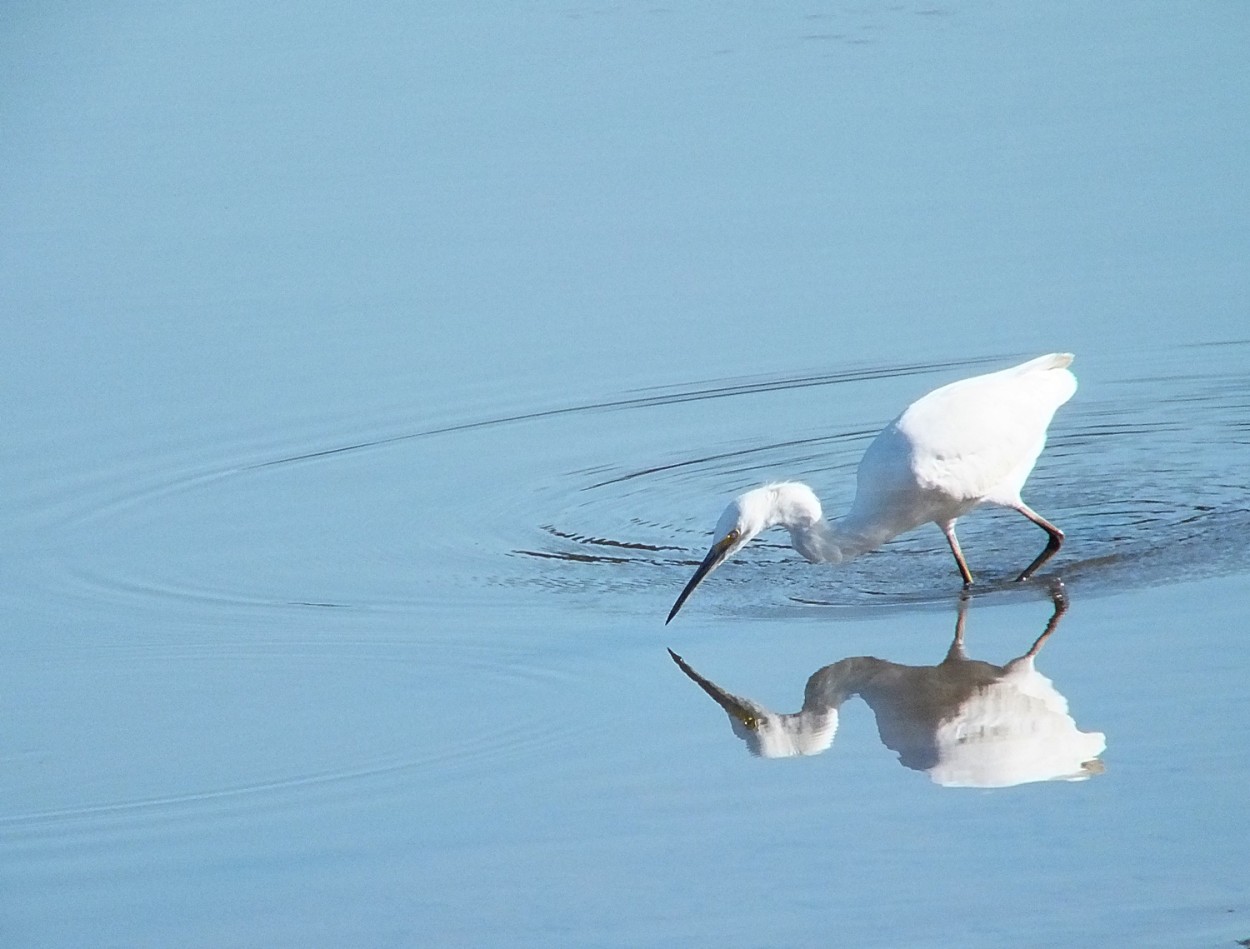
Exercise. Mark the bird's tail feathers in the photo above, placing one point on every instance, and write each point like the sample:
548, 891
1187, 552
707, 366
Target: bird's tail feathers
1051, 361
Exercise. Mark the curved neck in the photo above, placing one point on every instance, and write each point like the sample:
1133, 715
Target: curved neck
822, 542
828, 687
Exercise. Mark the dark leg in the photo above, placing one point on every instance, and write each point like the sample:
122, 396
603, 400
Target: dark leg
1052, 545
1059, 597
949, 530
956, 652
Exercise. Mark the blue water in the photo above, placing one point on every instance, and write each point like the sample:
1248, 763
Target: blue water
374, 378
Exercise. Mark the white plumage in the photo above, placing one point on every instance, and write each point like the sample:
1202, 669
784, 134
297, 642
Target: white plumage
968, 443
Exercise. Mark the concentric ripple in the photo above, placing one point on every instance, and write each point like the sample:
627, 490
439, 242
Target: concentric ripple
312, 575
1144, 471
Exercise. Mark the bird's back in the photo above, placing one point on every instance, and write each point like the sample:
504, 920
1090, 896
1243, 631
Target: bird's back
970, 441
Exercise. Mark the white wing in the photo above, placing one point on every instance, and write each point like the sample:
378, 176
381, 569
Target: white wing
973, 440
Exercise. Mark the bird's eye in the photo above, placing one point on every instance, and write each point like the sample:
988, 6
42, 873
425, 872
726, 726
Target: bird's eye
732, 535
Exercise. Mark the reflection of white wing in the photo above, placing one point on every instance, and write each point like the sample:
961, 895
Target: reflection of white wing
963, 722
1013, 731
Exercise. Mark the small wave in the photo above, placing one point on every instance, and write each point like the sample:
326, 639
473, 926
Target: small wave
1146, 479
1140, 463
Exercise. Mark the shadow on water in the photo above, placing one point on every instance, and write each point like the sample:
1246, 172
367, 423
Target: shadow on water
964, 722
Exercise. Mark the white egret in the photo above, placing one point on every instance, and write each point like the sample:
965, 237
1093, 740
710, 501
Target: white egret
968, 443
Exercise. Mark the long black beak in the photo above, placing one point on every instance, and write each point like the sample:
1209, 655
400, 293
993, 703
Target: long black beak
719, 551
743, 710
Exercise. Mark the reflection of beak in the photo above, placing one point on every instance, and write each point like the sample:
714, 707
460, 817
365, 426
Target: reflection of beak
719, 551
740, 709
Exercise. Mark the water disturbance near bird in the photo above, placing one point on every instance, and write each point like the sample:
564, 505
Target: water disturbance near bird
1144, 521
1132, 515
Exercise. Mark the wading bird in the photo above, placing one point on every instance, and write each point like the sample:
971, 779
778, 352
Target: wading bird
968, 443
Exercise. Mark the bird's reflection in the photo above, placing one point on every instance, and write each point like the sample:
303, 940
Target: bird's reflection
964, 722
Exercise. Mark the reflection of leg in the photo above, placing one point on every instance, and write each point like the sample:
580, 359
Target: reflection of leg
1052, 545
1058, 596
956, 651
949, 530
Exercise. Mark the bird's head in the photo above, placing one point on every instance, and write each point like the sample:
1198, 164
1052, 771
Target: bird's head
768, 734
788, 504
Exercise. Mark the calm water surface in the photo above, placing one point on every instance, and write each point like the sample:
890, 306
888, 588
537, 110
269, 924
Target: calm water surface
375, 377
